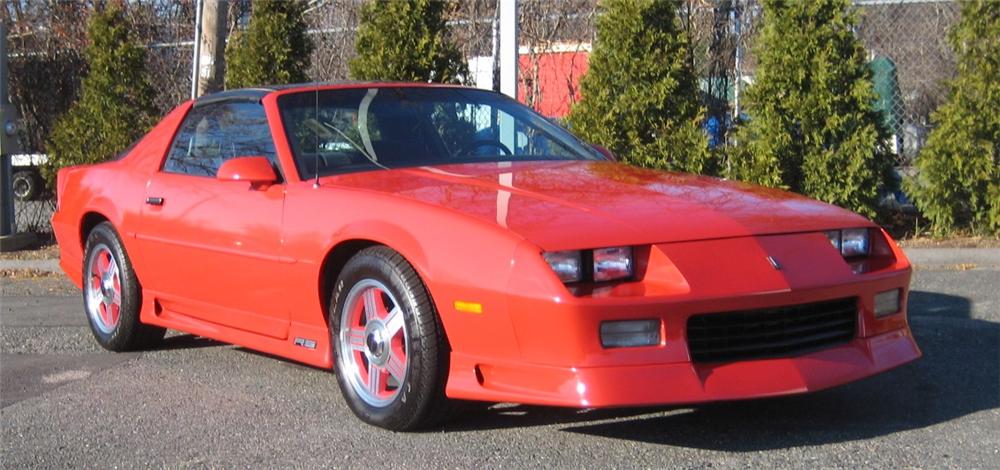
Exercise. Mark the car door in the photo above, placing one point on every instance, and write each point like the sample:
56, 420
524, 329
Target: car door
215, 245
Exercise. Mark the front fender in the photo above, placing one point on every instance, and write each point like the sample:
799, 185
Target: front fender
459, 258
384, 233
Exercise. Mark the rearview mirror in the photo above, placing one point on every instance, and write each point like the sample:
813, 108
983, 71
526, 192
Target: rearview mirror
607, 153
254, 170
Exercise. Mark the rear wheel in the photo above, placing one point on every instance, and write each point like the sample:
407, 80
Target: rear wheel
111, 294
391, 357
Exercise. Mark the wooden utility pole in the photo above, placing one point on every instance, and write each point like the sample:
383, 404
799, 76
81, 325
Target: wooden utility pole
212, 63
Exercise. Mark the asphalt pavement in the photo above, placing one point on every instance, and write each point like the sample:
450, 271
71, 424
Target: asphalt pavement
198, 403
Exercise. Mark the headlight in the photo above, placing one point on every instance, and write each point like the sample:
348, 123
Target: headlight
566, 264
600, 265
853, 242
612, 263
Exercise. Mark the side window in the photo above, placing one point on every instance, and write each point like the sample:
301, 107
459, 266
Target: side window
246, 132
215, 133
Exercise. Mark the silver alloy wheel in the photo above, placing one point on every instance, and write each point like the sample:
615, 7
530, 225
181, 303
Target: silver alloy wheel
104, 289
374, 343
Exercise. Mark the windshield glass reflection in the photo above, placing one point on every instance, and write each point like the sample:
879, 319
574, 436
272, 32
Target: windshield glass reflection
359, 129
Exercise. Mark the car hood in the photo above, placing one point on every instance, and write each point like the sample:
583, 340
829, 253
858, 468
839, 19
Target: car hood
566, 205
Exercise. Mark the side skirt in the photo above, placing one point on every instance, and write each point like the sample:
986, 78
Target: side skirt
308, 344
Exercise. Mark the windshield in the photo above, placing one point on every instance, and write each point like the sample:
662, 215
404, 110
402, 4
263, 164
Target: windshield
358, 129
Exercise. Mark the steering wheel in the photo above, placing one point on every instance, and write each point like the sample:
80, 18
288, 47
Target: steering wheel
468, 148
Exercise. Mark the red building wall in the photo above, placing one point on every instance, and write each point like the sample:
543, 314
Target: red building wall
550, 82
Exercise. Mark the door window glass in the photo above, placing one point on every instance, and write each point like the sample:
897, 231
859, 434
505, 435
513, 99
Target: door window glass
214, 133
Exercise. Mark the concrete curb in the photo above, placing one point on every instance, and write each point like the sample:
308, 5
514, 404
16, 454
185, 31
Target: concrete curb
981, 257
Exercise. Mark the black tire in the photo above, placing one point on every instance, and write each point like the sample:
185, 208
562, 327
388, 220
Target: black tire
419, 399
127, 333
26, 185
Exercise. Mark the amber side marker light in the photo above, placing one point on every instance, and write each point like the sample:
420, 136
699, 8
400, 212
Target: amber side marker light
468, 307
887, 302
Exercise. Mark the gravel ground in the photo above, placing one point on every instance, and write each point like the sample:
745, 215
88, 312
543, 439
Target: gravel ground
198, 403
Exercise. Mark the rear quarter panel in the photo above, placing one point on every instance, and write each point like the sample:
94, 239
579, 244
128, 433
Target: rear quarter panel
114, 190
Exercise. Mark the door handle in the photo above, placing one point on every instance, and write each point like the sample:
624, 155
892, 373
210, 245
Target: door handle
154, 201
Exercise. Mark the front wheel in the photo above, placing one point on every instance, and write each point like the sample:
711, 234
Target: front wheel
391, 356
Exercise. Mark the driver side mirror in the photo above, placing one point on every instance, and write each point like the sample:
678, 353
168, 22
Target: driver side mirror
254, 170
607, 153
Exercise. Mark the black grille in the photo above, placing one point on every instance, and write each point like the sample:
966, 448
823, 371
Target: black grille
771, 332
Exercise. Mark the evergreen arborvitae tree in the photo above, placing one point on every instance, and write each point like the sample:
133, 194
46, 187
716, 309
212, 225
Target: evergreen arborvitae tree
813, 126
958, 179
640, 97
274, 49
115, 106
406, 41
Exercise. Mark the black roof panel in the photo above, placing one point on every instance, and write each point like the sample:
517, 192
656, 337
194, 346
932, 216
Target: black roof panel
252, 95
255, 94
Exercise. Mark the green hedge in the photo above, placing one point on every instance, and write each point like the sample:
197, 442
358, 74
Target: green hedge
407, 41
957, 186
273, 50
115, 106
813, 128
640, 97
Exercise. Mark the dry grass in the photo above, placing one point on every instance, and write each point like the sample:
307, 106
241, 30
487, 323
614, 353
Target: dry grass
43, 252
950, 242
28, 273
946, 267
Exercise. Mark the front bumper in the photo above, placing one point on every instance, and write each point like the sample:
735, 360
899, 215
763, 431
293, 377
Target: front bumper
560, 360
684, 383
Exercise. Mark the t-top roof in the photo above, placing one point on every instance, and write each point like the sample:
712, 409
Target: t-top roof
255, 94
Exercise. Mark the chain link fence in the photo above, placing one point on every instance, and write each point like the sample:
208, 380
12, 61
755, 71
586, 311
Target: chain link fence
912, 63
906, 40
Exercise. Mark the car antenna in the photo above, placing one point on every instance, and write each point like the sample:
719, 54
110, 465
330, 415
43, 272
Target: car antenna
316, 136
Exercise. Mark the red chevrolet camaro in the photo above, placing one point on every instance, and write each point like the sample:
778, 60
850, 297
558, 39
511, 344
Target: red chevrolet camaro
438, 243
